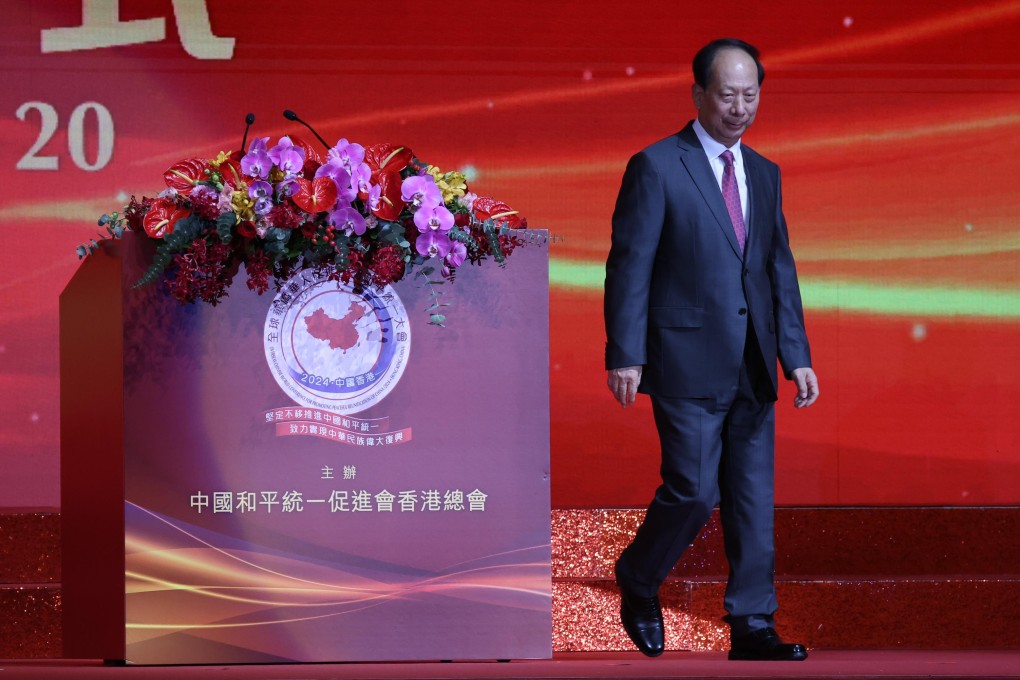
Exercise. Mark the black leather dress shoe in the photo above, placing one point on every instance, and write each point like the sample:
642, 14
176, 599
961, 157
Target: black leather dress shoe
764, 645
642, 619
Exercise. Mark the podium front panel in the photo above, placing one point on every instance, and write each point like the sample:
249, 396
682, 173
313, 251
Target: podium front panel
317, 474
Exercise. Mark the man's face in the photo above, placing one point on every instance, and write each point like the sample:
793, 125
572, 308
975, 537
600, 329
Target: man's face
727, 106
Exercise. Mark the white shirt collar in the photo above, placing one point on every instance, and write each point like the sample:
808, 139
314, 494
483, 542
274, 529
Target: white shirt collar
713, 148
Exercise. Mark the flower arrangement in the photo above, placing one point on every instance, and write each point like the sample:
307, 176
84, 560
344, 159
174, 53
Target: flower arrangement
367, 215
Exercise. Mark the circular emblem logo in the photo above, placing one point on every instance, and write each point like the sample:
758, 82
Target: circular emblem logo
331, 348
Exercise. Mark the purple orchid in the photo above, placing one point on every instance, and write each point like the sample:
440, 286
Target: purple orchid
421, 191
457, 254
263, 205
361, 178
259, 144
260, 189
338, 173
374, 197
285, 188
257, 163
432, 244
348, 219
292, 159
281, 146
433, 218
348, 154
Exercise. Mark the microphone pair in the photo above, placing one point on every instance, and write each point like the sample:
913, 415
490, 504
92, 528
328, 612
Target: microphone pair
289, 115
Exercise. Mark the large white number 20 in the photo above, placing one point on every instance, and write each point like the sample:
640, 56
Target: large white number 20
75, 136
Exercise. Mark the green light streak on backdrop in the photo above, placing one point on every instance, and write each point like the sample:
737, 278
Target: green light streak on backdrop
845, 296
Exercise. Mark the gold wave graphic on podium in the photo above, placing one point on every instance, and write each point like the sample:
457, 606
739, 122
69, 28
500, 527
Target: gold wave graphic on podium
178, 579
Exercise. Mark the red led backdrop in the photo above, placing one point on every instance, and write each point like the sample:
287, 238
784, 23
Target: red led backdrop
896, 125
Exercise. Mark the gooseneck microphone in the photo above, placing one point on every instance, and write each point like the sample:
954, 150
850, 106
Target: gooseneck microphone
249, 119
290, 115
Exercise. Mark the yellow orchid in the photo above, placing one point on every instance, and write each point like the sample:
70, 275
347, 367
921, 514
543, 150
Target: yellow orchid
452, 184
242, 204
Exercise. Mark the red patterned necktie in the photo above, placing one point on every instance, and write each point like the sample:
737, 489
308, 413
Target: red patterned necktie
731, 194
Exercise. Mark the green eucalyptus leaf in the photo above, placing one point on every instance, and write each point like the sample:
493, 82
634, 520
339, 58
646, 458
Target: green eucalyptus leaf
225, 226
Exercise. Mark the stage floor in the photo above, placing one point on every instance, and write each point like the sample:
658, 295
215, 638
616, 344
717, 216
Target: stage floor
843, 665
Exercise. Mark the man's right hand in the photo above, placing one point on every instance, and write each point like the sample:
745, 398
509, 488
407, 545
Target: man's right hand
623, 383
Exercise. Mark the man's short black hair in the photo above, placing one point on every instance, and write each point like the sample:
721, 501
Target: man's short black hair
703, 60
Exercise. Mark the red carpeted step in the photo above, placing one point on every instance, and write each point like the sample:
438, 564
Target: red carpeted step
29, 584
848, 578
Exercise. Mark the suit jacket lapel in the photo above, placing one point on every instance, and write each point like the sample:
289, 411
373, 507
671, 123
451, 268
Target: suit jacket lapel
757, 187
692, 155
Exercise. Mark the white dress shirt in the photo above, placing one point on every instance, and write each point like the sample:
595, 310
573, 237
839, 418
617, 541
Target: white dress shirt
713, 150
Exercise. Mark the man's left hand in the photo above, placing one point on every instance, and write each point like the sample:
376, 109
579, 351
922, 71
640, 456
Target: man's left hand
807, 387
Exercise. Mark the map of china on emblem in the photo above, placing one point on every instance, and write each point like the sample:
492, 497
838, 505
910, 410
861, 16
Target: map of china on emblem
332, 348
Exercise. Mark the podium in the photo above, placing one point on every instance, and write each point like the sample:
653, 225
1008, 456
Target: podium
311, 475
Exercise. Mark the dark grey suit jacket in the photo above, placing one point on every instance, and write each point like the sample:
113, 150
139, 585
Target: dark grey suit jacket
678, 293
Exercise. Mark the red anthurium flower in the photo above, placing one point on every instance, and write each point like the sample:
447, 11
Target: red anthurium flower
230, 170
317, 195
161, 217
184, 175
311, 155
384, 158
390, 204
309, 169
489, 208
308, 172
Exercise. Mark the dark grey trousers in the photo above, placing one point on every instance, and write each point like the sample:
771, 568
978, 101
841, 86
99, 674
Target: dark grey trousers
714, 451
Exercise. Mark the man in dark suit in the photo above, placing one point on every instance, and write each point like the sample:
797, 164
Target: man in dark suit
701, 299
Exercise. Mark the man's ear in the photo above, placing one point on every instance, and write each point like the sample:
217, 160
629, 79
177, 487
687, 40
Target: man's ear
698, 95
